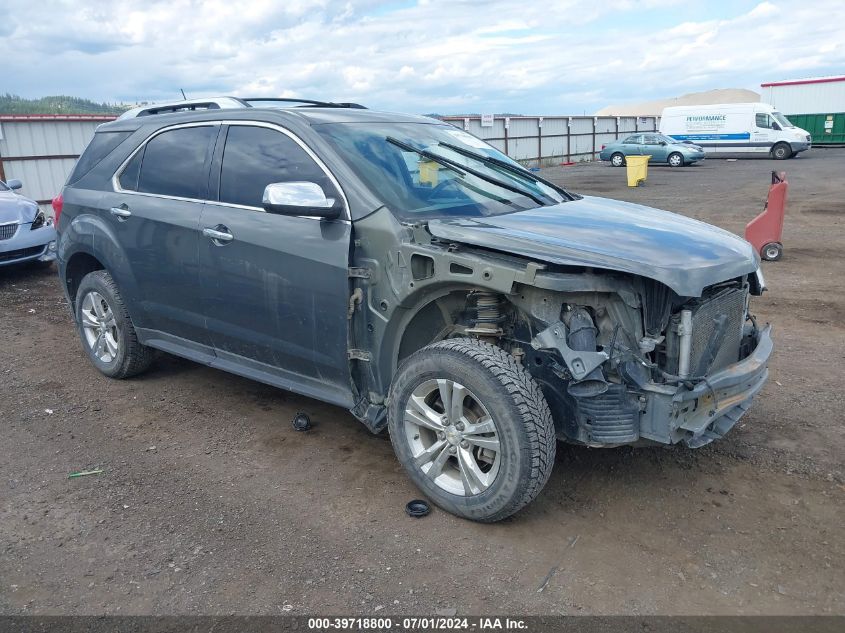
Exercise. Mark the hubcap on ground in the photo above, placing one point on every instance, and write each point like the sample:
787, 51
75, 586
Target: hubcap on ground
99, 327
453, 438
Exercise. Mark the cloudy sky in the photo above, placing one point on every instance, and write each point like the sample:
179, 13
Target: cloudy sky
446, 56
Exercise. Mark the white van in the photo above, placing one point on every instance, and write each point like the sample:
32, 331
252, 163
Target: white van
734, 128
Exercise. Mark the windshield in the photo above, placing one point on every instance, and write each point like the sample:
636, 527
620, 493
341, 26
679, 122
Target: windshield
784, 122
425, 171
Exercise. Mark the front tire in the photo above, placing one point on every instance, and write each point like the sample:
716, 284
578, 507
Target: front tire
106, 331
781, 151
675, 160
472, 428
617, 160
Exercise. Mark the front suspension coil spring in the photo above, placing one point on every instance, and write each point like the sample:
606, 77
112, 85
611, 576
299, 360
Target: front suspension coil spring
487, 313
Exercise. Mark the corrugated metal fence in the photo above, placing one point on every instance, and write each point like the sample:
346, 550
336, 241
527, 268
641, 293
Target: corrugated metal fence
551, 140
41, 150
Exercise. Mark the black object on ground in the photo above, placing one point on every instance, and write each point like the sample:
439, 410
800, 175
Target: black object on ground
301, 422
417, 508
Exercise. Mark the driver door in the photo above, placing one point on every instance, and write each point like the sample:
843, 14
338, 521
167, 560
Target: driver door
275, 288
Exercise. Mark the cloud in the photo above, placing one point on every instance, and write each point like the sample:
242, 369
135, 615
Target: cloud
450, 56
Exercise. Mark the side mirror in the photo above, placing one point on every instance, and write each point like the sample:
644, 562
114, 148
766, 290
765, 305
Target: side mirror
14, 183
775, 126
299, 198
663, 143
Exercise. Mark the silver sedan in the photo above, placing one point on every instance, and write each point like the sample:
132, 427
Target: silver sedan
26, 233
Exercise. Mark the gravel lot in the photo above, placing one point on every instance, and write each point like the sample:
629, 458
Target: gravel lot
211, 503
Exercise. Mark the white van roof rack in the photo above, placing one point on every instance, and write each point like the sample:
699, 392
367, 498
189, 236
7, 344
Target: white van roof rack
223, 103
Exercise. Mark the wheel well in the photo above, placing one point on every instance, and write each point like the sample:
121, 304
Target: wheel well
77, 267
430, 322
446, 316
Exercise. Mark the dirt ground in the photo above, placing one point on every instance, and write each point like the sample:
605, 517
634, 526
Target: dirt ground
211, 503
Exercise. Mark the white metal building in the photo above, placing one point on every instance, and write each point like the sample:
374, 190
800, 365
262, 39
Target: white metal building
41, 150
806, 96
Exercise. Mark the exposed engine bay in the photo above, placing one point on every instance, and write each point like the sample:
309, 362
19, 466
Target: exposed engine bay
615, 362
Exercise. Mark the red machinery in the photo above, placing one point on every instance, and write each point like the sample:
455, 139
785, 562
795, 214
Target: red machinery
765, 232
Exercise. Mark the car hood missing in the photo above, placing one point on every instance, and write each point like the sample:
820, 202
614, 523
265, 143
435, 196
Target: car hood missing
682, 253
15, 208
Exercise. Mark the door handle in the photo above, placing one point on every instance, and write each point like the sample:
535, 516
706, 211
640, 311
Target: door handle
218, 236
120, 212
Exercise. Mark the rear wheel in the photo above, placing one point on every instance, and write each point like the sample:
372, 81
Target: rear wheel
472, 428
617, 159
772, 251
106, 330
781, 151
675, 160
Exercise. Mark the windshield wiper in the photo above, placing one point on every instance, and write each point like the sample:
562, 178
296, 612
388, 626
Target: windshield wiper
518, 171
457, 167
426, 154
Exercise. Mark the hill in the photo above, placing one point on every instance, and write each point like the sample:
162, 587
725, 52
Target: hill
650, 108
13, 104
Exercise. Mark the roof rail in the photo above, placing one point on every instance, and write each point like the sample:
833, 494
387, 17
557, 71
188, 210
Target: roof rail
186, 105
306, 102
223, 103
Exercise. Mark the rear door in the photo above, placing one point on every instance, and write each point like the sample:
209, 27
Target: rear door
276, 293
632, 146
154, 212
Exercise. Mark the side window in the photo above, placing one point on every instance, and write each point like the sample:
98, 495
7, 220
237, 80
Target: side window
762, 120
129, 176
254, 157
100, 146
651, 139
174, 163
632, 140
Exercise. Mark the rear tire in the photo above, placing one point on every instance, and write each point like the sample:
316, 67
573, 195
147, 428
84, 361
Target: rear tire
675, 159
472, 428
781, 151
617, 159
106, 331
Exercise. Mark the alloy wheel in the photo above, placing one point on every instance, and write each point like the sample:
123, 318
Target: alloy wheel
452, 436
100, 327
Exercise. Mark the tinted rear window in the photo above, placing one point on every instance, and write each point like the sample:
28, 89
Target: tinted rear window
100, 146
174, 163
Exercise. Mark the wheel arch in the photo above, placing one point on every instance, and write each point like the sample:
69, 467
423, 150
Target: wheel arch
421, 320
89, 244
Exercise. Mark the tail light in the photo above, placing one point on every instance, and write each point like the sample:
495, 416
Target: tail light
58, 203
603, 146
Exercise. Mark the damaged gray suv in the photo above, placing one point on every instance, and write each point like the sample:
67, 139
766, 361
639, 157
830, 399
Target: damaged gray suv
403, 269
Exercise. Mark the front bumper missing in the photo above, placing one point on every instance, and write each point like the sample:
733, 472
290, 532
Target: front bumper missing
711, 408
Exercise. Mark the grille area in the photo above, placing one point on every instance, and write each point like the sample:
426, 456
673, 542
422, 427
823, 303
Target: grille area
8, 230
21, 253
730, 303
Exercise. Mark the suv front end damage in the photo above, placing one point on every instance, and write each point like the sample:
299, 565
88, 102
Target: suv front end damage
633, 362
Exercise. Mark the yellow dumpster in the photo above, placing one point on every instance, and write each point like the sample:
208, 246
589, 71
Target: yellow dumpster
637, 169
